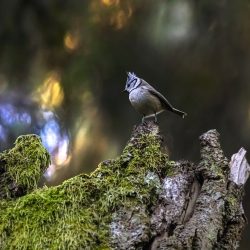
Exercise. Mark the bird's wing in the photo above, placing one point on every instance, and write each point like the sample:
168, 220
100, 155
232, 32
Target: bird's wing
165, 103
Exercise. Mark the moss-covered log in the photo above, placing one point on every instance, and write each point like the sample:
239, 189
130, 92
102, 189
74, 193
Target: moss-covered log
141, 200
22, 166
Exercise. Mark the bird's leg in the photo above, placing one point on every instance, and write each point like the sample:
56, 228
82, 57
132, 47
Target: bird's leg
143, 120
155, 118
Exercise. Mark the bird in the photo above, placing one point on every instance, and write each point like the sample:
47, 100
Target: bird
146, 100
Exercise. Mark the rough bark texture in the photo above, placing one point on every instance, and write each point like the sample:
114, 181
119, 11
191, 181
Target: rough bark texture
141, 200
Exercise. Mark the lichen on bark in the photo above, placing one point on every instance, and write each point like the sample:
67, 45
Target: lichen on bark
140, 200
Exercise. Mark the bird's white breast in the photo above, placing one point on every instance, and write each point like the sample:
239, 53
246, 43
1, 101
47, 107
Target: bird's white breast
144, 102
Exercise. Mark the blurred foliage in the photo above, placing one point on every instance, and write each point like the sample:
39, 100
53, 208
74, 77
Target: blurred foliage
63, 64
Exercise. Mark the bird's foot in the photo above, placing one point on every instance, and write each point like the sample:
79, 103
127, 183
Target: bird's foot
156, 121
143, 121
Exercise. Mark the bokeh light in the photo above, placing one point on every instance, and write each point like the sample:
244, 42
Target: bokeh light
71, 41
56, 140
110, 2
50, 94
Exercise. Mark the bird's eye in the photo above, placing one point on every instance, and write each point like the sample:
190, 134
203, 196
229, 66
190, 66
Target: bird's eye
133, 81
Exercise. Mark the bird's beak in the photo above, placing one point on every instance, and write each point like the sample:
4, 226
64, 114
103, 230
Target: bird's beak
124, 91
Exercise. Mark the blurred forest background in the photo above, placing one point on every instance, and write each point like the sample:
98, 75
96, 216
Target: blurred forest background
63, 67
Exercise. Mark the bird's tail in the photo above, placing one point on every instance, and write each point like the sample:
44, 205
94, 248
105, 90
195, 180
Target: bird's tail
180, 113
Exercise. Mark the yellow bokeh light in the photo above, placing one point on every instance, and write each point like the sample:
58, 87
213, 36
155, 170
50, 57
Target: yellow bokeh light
50, 94
110, 2
71, 41
119, 20
81, 138
115, 13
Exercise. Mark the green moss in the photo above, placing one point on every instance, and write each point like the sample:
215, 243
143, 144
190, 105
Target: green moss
23, 165
218, 171
230, 202
77, 214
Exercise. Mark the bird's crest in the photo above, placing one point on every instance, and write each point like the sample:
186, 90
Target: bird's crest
131, 76
132, 82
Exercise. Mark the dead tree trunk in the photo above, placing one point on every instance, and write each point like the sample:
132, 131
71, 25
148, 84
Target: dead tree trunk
141, 200
209, 213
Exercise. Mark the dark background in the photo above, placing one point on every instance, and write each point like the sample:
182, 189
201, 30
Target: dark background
63, 67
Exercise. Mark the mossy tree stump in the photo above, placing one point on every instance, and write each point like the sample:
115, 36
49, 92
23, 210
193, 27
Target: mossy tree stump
141, 200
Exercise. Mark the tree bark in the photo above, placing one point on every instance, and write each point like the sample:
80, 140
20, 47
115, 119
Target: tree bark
141, 200
213, 214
